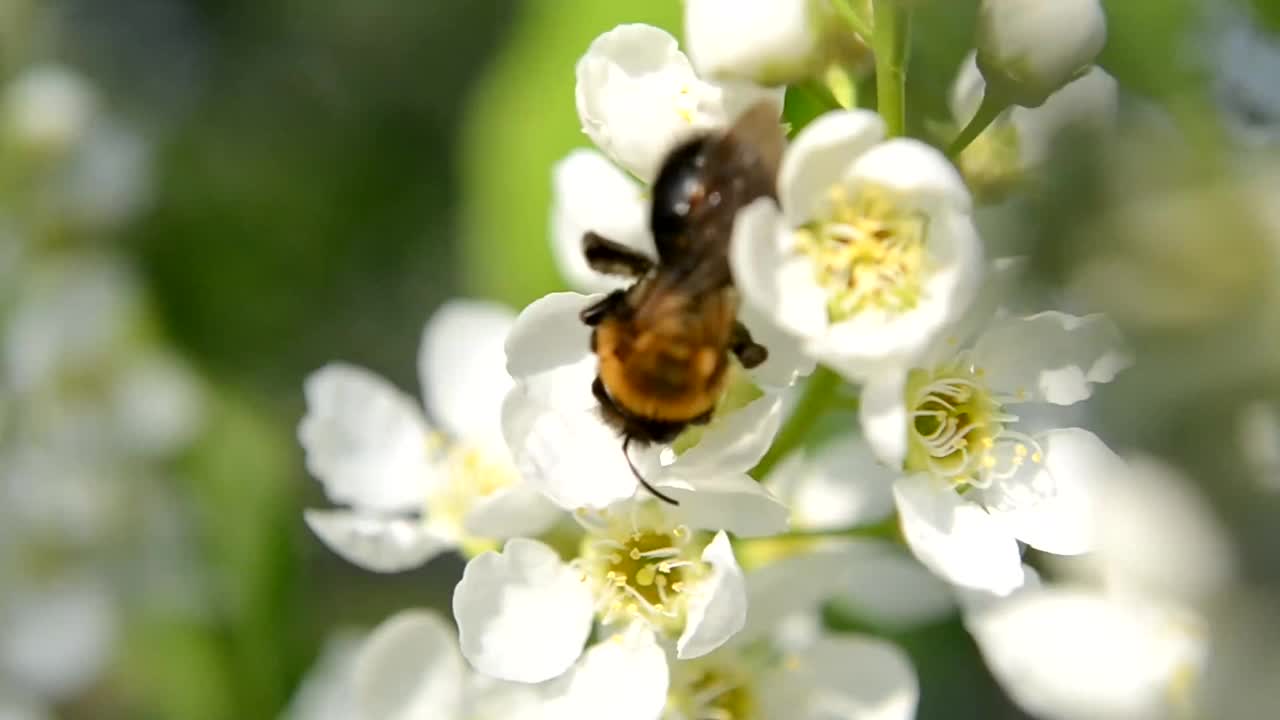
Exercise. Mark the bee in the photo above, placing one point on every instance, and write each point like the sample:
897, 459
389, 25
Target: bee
663, 343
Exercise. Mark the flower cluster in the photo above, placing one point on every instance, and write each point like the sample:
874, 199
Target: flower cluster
93, 407
866, 278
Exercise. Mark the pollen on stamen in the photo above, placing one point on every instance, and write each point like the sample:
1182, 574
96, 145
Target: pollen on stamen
868, 253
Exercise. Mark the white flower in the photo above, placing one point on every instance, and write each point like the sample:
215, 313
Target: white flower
638, 97
1028, 49
409, 668
48, 109
1021, 138
56, 637
975, 478
373, 449
766, 41
1124, 639
524, 614
592, 194
836, 488
70, 316
874, 249
562, 445
326, 692
1076, 655
766, 671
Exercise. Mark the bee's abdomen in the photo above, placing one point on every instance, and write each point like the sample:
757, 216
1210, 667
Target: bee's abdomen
658, 377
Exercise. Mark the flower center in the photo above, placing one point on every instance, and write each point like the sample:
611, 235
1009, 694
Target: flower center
959, 428
710, 690
869, 254
641, 566
471, 475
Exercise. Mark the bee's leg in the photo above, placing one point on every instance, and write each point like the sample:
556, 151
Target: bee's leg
613, 258
749, 352
595, 312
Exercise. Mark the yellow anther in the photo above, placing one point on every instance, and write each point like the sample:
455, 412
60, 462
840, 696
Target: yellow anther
644, 577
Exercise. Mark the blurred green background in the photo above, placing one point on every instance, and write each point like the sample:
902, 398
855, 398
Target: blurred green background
326, 173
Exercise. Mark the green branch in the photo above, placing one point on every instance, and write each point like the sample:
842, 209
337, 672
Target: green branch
890, 41
988, 111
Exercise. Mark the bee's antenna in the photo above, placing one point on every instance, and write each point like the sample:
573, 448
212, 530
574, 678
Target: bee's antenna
665, 498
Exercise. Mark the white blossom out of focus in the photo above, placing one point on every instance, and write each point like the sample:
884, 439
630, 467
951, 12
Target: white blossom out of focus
411, 491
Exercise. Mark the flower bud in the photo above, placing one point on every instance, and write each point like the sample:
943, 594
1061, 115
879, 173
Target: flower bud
1028, 49
765, 41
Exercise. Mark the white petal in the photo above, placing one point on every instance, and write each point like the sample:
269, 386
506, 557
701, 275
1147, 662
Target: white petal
820, 157
522, 614
158, 404
1001, 280
1028, 50
736, 441
882, 413
955, 538
326, 692
885, 586
365, 440
839, 486
409, 668
733, 502
591, 193
1089, 101
718, 608
563, 448
775, 281
1051, 356
1157, 535
56, 639
787, 361
770, 42
48, 108
919, 173
490, 699
849, 677
1050, 506
1072, 654
380, 544
966, 90
462, 366
516, 511
638, 97
624, 676
548, 334
793, 585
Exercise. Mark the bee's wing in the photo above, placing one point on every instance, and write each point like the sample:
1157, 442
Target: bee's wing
705, 313
755, 142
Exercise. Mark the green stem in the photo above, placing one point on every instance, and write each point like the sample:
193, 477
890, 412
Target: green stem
890, 41
853, 19
818, 395
988, 111
886, 529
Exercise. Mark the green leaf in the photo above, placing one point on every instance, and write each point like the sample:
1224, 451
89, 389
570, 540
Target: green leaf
242, 480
